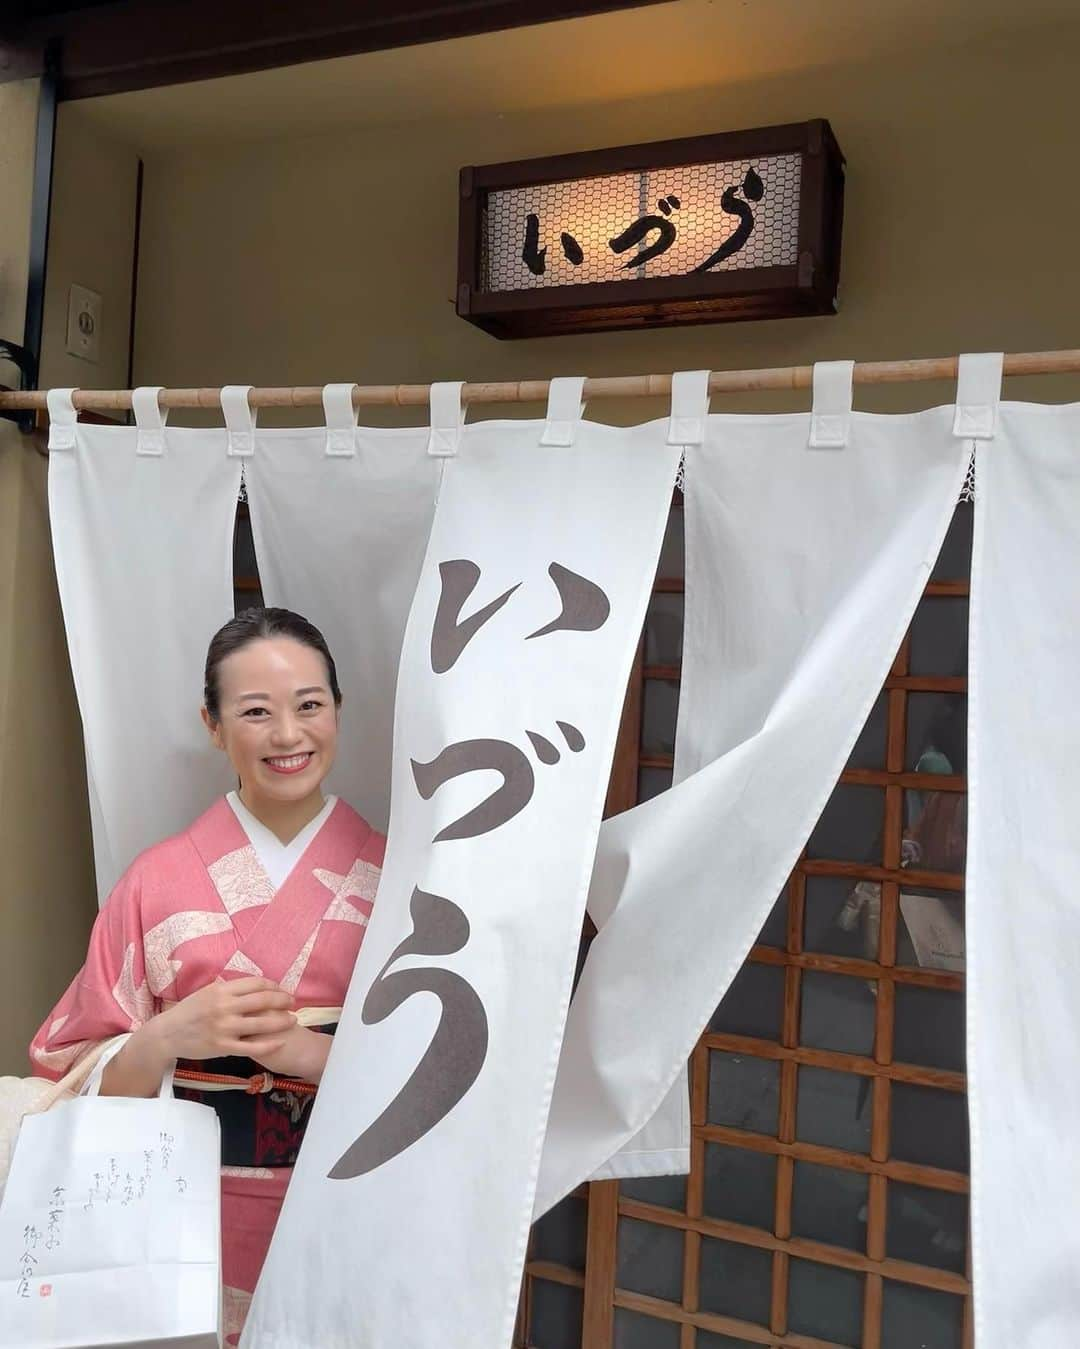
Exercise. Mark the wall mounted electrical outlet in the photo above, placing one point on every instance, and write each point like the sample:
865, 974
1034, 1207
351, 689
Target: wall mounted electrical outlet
84, 323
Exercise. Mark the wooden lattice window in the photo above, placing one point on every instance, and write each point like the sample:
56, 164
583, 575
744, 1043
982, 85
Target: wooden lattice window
827, 1203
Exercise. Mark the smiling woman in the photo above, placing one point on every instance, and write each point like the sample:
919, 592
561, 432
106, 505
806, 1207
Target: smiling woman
215, 940
272, 704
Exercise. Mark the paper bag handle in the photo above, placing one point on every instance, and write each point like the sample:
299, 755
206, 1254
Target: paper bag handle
93, 1082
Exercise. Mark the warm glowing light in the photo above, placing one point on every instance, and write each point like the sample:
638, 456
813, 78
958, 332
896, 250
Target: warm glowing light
735, 225
686, 203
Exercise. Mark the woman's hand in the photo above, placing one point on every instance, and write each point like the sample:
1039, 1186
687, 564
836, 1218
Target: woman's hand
303, 1055
248, 1017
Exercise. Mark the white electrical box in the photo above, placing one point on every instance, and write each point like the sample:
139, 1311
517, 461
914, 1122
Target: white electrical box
84, 323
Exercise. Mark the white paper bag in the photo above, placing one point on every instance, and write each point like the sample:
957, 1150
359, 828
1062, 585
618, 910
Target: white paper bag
110, 1226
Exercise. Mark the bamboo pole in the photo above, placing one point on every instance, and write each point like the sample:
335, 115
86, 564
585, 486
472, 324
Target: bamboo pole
536, 390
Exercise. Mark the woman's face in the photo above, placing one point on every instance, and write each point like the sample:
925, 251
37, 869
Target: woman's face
278, 719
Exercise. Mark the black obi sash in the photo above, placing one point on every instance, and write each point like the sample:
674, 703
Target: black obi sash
260, 1129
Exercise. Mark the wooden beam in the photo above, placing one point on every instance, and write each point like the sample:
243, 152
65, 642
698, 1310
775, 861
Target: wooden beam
128, 44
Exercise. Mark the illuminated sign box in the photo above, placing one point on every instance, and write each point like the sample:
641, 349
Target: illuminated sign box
741, 225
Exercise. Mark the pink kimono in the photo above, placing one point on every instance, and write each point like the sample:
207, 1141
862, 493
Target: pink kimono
200, 906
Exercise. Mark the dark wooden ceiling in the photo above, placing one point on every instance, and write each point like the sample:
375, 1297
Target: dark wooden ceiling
109, 46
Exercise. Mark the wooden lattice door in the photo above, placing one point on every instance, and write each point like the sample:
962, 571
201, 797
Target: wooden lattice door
827, 1203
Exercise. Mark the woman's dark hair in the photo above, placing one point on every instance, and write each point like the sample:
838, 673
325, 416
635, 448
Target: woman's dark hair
249, 626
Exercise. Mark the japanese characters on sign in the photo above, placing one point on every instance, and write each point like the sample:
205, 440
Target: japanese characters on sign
657, 223
456, 1054
714, 228
662, 227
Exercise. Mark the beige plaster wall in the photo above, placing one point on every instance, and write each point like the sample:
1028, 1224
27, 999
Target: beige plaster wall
47, 899
91, 243
333, 257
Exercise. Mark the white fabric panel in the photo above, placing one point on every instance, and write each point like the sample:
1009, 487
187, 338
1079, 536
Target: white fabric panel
1023, 911
142, 536
803, 568
423, 1244
340, 519
662, 1146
